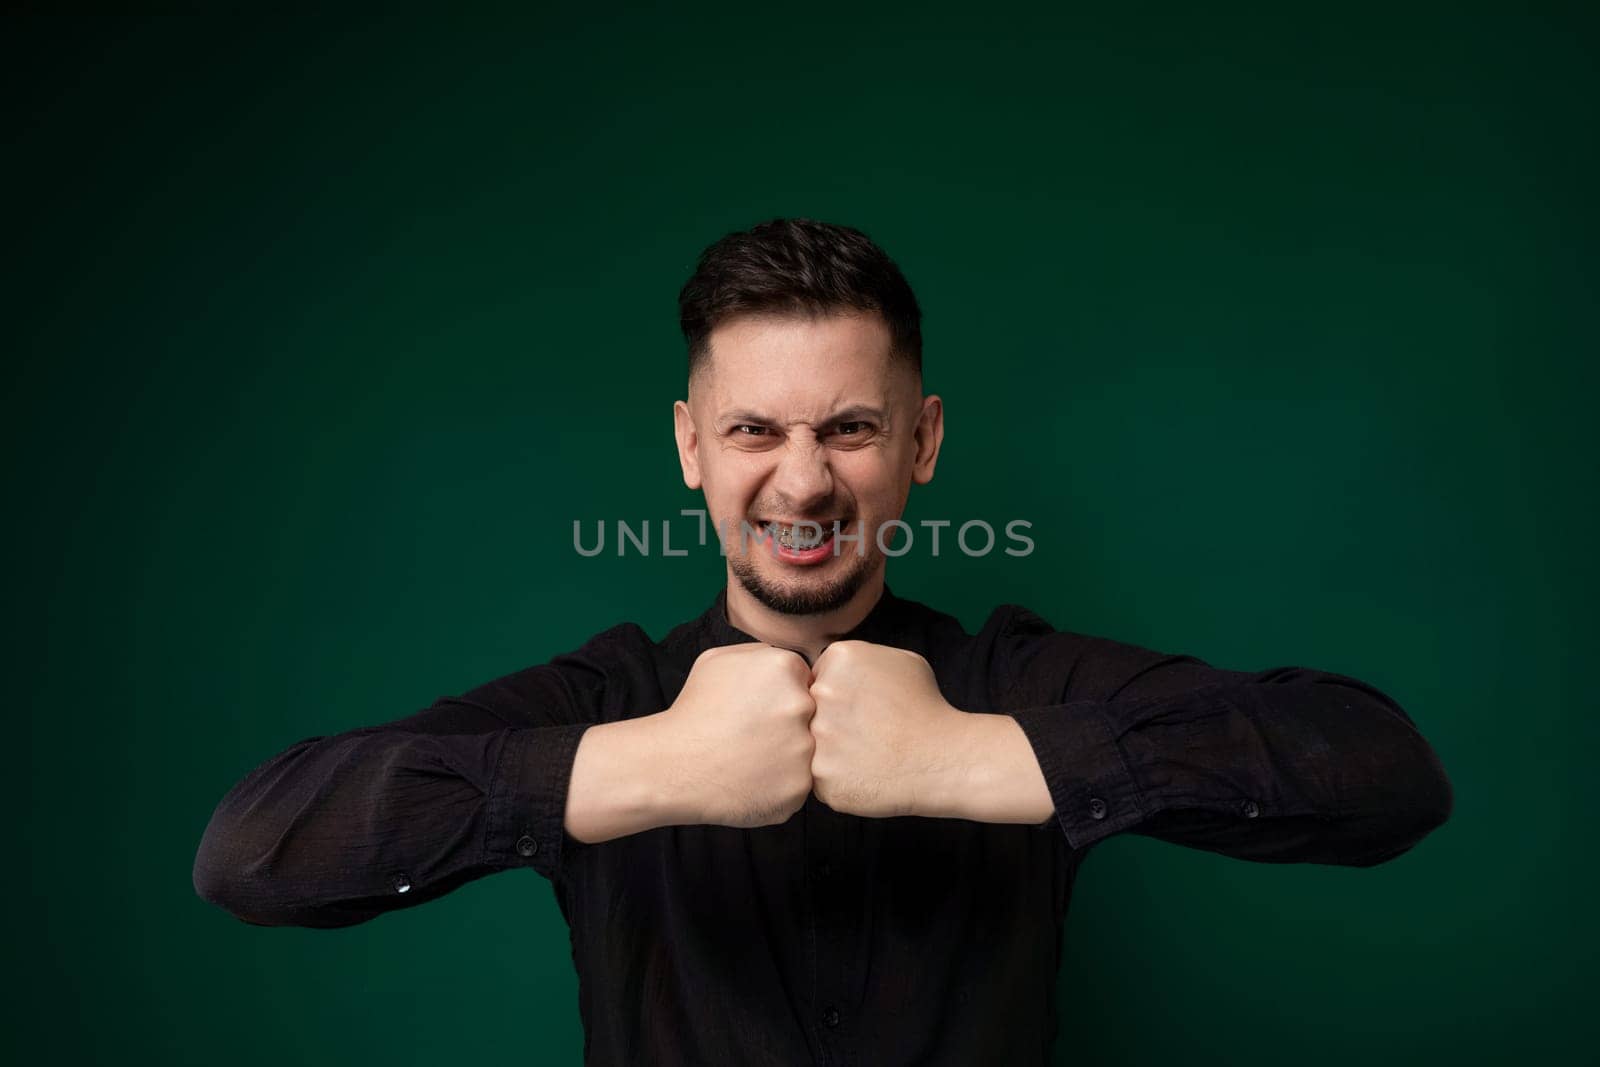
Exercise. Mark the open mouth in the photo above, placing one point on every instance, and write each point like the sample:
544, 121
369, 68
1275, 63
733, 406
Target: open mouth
805, 534
801, 541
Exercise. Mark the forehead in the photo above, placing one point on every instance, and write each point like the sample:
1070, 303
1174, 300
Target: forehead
793, 367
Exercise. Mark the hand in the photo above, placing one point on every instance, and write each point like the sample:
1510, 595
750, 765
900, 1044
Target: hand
887, 742
737, 741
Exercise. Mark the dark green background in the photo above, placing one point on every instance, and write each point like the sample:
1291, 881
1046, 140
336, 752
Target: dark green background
320, 332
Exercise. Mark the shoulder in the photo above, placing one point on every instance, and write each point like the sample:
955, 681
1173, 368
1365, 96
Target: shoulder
1014, 630
569, 687
984, 667
1015, 639
599, 657
1036, 662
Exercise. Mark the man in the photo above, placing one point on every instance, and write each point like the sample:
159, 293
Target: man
820, 823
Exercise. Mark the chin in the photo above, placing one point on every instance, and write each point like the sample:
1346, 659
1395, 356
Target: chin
804, 593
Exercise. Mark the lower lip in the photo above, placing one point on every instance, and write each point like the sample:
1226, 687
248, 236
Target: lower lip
802, 557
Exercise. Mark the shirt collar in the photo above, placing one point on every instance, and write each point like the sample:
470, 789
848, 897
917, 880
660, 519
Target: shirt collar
881, 625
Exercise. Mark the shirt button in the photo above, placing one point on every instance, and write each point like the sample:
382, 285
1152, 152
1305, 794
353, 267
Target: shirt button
1097, 808
526, 845
830, 1018
1250, 809
402, 883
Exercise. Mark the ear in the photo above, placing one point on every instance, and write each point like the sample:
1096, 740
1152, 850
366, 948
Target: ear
929, 435
688, 443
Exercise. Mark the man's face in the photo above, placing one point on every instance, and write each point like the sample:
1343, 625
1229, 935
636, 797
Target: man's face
795, 418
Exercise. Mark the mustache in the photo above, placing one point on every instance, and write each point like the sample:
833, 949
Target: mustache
824, 519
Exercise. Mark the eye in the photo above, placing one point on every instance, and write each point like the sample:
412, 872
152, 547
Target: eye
746, 430
851, 428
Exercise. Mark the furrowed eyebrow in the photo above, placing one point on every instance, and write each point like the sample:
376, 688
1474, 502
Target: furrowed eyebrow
858, 413
853, 413
734, 418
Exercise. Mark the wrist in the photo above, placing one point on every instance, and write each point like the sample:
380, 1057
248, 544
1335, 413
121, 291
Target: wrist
665, 794
946, 787
991, 773
619, 781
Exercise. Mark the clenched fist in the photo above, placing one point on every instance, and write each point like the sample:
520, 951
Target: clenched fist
740, 731
886, 740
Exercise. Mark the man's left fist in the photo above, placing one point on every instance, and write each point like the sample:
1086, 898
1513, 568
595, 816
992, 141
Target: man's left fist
886, 740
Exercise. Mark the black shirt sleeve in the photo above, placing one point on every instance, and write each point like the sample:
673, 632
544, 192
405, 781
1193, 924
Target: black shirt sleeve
336, 830
1283, 765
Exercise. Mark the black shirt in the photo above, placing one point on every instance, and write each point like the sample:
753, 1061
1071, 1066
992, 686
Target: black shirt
828, 939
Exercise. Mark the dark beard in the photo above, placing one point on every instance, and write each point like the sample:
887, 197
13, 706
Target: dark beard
831, 597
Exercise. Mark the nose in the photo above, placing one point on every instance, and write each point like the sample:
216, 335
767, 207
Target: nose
803, 478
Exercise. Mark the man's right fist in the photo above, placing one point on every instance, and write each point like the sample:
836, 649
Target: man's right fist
739, 736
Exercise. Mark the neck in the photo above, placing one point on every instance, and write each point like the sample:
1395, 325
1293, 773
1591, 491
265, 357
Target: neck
806, 634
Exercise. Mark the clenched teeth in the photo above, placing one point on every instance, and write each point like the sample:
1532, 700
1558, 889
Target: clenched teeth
800, 535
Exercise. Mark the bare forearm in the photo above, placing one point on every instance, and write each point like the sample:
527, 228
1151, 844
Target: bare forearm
995, 777
619, 782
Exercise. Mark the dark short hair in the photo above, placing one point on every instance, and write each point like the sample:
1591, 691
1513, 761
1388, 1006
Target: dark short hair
797, 267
